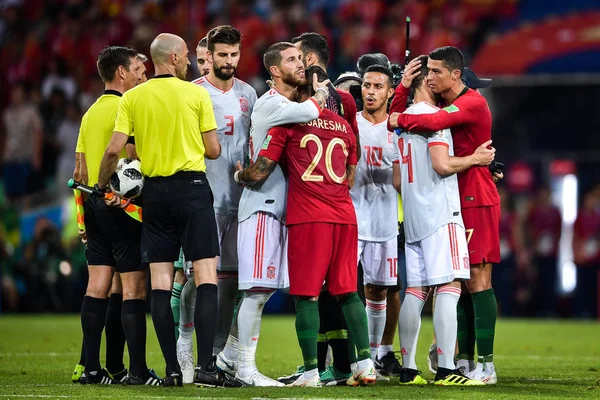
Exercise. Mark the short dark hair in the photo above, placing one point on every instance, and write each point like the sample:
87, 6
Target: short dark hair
203, 42
312, 42
451, 57
383, 70
225, 34
273, 54
111, 57
416, 83
308, 73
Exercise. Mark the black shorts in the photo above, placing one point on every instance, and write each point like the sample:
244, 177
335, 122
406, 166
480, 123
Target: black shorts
114, 238
178, 212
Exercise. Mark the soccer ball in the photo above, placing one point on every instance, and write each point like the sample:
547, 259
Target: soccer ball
127, 181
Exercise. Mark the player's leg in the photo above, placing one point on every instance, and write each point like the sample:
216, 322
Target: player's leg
262, 248
306, 288
185, 347
113, 330
375, 294
466, 331
484, 249
342, 282
101, 265
227, 330
409, 322
178, 282
80, 367
387, 360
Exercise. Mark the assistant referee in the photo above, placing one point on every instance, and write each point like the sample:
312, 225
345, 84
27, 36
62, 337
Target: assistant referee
175, 130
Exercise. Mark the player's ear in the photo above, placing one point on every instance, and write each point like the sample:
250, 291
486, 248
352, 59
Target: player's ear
455, 74
275, 71
209, 56
390, 93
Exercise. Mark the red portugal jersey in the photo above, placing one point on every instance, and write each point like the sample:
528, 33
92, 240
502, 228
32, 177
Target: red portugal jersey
470, 120
315, 156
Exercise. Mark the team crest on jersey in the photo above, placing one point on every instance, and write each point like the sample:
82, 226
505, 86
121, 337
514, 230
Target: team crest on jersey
270, 272
466, 262
244, 106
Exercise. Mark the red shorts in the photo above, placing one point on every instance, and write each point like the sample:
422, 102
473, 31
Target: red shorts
319, 252
482, 225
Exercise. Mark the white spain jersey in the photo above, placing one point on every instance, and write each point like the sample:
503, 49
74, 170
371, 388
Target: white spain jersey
373, 193
233, 109
272, 109
430, 201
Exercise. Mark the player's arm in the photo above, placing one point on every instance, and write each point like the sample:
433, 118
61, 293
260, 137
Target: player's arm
208, 126
212, 147
351, 175
445, 164
396, 178
400, 100
81, 173
108, 165
256, 173
130, 148
462, 111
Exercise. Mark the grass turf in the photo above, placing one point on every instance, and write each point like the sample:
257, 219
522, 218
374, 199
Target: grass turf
542, 359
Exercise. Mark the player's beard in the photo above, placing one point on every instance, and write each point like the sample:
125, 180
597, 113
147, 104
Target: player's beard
224, 73
293, 80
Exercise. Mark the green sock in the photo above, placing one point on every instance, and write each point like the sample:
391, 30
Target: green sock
352, 349
486, 311
466, 327
175, 301
356, 320
307, 329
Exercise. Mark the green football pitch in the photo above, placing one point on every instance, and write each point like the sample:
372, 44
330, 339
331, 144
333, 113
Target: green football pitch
542, 359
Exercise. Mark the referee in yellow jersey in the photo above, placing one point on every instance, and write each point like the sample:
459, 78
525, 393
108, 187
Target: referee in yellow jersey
113, 239
175, 129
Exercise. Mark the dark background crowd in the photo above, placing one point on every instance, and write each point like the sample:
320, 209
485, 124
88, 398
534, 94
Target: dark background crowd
545, 124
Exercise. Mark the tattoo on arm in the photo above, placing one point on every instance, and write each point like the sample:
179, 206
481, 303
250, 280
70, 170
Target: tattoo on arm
257, 172
350, 175
321, 98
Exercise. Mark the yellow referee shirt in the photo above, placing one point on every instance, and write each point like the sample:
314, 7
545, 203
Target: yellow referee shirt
168, 116
96, 130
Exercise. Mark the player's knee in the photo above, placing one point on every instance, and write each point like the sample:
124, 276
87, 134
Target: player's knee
481, 278
375, 292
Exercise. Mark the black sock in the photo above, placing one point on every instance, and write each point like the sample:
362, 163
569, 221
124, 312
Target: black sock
466, 302
93, 313
133, 318
115, 337
332, 319
205, 322
82, 356
322, 346
162, 318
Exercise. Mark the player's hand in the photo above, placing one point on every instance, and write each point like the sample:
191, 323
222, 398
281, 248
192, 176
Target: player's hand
238, 169
411, 71
497, 176
317, 84
83, 235
484, 155
394, 119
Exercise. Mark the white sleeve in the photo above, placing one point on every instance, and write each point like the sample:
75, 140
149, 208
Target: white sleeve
396, 157
284, 111
442, 137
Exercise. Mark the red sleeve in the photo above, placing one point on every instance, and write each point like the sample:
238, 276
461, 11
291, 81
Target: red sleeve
352, 151
274, 143
349, 110
464, 110
398, 102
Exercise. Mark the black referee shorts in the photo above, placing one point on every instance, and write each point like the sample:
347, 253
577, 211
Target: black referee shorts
178, 212
114, 238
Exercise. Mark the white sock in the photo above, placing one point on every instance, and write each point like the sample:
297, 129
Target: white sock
186, 316
376, 318
249, 318
227, 294
384, 349
445, 324
409, 324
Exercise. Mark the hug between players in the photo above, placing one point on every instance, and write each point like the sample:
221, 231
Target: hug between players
298, 189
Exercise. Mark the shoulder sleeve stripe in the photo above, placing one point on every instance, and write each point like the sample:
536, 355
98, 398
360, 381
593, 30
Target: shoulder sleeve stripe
431, 144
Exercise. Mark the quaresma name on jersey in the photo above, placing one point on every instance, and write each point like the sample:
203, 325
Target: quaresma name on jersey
232, 109
272, 109
430, 201
373, 193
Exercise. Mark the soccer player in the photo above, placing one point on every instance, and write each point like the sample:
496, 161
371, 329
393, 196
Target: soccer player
468, 115
315, 52
180, 279
175, 130
375, 201
320, 158
113, 239
262, 237
436, 245
233, 101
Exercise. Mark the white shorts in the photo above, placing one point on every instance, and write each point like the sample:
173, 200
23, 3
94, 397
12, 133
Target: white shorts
262, 251
227, 229
439, 258
379, 261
